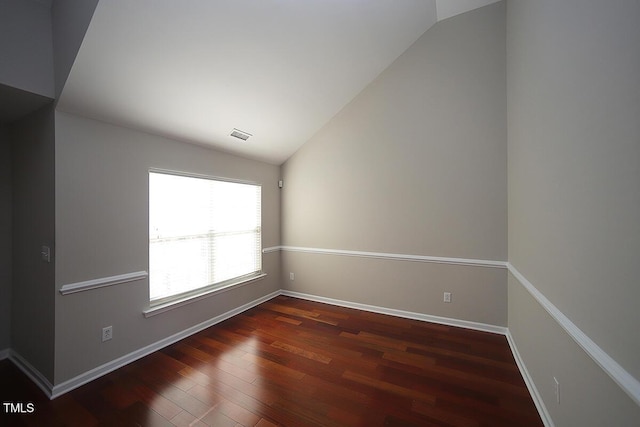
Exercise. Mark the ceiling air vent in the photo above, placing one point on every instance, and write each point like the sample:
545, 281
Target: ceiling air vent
237, 133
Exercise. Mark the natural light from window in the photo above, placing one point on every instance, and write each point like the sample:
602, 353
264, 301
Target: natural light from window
203, 233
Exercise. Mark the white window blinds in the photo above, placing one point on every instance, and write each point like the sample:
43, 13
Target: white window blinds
202, 233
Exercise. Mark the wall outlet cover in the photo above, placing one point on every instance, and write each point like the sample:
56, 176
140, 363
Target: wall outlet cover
107, 333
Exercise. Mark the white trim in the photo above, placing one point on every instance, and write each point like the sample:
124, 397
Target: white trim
623, 378
533, 391
73, 383
34, 375
271, 249
396, 257
91, 375
102, 282
202, 176
401, 313
531, 386
4, 354
161, 308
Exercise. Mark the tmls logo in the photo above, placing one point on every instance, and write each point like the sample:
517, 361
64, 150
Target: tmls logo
18, 408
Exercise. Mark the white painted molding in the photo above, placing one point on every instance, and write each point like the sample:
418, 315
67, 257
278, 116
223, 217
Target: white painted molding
401, 313
86, 377
531, 386
102, 282
623, 378
396, 257
533, 391
91, 375
34, 375
161, 308
271, 249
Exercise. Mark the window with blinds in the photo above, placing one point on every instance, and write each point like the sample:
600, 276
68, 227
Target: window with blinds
203, 233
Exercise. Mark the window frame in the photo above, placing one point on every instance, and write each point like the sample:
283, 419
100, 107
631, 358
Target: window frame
162, 304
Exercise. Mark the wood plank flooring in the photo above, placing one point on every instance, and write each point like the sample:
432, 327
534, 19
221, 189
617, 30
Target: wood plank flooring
298, 363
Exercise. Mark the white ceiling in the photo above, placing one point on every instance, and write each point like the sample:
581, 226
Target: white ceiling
278, 69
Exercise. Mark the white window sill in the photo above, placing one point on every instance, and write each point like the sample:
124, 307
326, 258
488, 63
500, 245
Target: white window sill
161, 308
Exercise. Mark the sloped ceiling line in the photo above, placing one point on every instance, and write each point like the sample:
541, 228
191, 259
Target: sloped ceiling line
279, 69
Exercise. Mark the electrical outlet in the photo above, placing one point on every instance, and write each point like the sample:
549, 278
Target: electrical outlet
292, 276
107, 333
556, 389
447, 297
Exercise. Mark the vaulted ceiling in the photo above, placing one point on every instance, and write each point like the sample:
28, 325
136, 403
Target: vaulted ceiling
277, 69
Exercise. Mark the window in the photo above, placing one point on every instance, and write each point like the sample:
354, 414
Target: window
203, 234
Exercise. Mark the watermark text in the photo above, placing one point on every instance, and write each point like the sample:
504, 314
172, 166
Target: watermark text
18, 407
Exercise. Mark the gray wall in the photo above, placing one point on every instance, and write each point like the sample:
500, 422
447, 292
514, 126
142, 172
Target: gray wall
415, 164
5, 239
26, 52
574, 196
32, 296
70, 20
102, 230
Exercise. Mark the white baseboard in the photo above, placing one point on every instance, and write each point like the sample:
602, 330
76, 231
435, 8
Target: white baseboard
95, 373
401, 313
60, 389
533, 391
622, 377
531, 386
30, 371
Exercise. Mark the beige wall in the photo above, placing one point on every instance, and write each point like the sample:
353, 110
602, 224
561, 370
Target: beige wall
102, 230
415, 164
33, 222
5, 239
574, 196
588, 396
414, 287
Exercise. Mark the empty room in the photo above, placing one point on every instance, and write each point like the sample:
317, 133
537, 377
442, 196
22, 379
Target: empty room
320, 213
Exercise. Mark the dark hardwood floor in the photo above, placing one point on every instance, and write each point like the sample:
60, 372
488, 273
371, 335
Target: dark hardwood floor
299, 363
